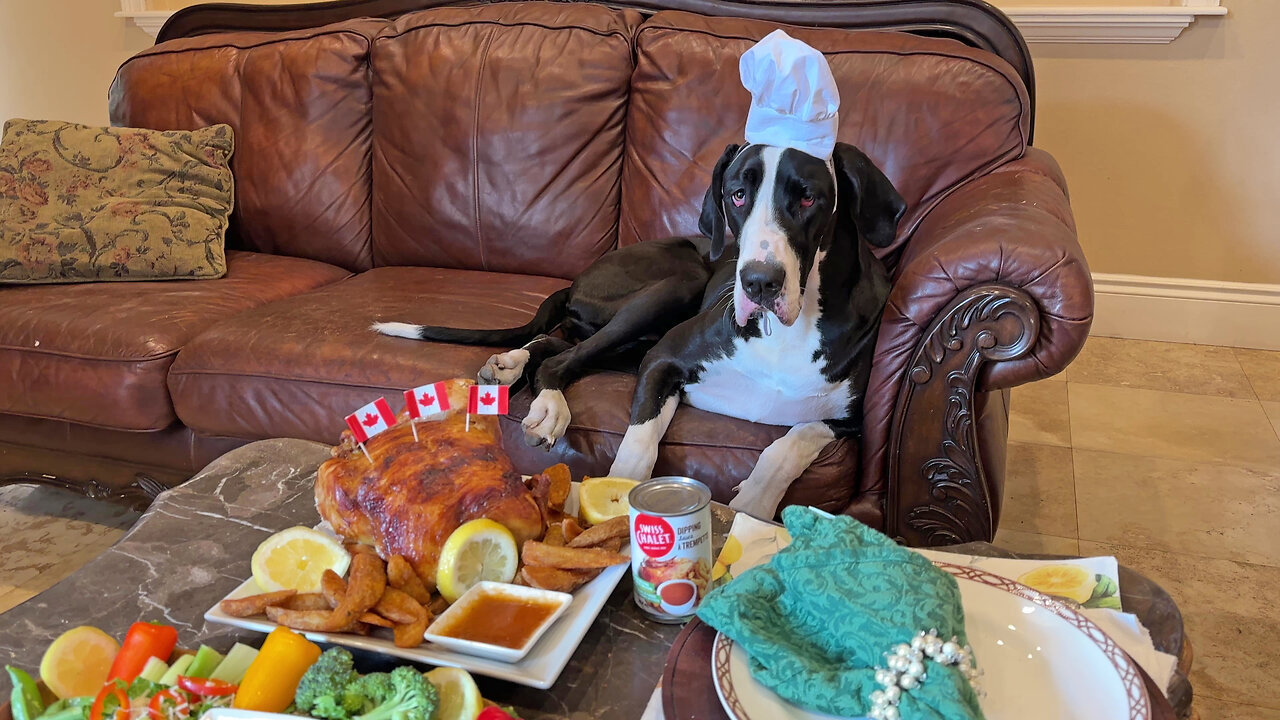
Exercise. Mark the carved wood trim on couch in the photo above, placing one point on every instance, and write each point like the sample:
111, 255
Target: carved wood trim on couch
938, 492
972, 22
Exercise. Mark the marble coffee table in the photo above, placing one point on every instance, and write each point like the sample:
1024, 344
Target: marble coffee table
192, 547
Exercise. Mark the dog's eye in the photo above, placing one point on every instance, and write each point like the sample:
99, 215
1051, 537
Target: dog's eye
806, 201
739, 197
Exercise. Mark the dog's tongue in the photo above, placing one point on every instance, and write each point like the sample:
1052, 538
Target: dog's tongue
743, 309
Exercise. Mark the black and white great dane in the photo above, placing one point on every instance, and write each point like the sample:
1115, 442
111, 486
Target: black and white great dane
788, 337
783, 335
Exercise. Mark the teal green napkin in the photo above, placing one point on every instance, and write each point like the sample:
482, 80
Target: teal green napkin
818, 618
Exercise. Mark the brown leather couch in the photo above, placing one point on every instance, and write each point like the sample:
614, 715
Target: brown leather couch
455, 165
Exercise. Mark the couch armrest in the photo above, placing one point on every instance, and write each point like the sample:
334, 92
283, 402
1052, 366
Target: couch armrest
991, 291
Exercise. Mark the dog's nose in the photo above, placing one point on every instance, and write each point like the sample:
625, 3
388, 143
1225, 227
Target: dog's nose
761, 282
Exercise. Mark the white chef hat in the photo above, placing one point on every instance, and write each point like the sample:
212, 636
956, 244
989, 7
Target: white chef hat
794, 99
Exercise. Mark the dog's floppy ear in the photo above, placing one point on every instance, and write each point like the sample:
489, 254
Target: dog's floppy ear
712, 221
866, 196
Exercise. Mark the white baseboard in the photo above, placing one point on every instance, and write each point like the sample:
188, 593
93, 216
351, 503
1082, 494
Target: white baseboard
1204, 312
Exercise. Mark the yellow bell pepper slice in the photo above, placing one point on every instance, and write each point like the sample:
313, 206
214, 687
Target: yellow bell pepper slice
273, 677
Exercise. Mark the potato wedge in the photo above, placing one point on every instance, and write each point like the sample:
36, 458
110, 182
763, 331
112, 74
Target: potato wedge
313, 620
254, 604
594, 536
404, 578
306, 601
438, 605
572, 529
569, 558
549, 578
376, 619
554, 535
409, 635
365, 584
399, 607
561, 482
333, 587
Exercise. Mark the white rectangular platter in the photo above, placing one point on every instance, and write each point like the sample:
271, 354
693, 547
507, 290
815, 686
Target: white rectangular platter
538, 669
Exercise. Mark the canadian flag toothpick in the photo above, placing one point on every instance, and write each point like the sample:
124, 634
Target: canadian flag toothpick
486, 400
425, 400
370, 420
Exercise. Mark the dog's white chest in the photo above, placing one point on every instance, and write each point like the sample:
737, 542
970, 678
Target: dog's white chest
772, 380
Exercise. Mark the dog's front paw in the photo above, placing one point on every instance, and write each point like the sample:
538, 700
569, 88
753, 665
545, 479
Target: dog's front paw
547, 420
755, 500
504, 368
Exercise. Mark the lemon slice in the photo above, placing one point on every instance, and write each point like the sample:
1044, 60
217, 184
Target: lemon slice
77, 663
1068, 581
604, 497
294, 559
459, 697
478, 550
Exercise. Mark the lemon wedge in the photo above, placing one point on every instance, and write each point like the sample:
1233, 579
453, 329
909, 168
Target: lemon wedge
294, 559
459, 697
478, 550
1068, 581
77, 663
602, 498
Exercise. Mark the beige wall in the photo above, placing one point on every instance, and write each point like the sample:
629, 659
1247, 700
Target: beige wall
1172, 152
57, 57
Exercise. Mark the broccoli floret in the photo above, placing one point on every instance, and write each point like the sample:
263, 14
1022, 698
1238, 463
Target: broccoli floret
323, 690
402, 694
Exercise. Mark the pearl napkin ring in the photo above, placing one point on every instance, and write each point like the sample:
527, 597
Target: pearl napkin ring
906, 670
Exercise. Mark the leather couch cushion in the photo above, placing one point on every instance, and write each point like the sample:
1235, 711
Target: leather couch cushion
299, 104
297, 367
498, 136
930, 112
718, 450
175, 450
98, 353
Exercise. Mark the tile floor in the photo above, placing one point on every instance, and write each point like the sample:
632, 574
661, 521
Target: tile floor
1166, 456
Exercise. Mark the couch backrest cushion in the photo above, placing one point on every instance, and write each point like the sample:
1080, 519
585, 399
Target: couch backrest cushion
498, 134
931, 113
299, 104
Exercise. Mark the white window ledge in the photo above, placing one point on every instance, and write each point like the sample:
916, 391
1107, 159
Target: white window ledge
1039, 24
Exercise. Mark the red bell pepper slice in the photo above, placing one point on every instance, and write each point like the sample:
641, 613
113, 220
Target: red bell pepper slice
181, 705
206, 687
493, 713
111, 689
144, 641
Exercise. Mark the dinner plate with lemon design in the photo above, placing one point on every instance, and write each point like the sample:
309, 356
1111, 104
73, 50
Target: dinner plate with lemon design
539, 668
1040, 657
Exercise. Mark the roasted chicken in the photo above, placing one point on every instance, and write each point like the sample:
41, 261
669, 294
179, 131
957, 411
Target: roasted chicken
414, 494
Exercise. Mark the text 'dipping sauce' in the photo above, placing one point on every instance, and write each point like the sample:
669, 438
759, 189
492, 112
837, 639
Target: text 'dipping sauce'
670, 546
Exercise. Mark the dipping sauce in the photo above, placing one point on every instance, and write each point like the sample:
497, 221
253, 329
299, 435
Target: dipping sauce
677, 593
496, 618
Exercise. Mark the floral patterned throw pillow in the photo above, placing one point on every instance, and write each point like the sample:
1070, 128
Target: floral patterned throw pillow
81, 204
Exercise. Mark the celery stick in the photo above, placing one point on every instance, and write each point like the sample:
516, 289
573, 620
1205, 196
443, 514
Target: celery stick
234, 666
179, 667
154, 670
206, 662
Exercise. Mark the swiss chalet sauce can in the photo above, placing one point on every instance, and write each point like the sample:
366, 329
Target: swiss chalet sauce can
670, 546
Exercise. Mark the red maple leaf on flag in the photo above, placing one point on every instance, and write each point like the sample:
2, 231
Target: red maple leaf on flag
427, 400
487, 398
370, 419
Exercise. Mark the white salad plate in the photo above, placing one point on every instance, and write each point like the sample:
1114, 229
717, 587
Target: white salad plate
539, 668
1040, 659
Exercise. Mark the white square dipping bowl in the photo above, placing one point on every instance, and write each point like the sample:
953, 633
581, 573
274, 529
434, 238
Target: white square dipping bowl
496, 652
